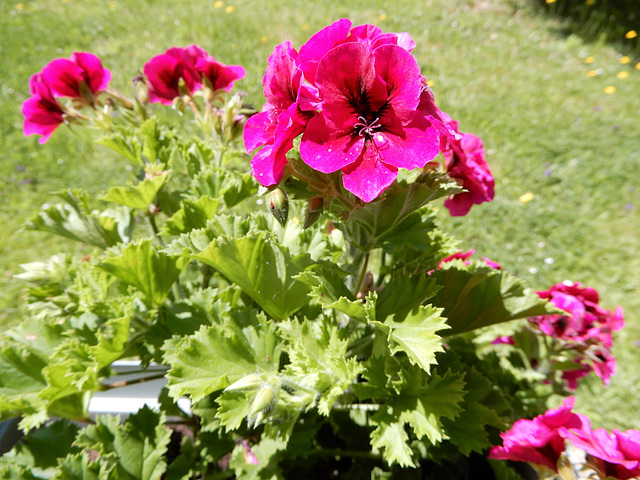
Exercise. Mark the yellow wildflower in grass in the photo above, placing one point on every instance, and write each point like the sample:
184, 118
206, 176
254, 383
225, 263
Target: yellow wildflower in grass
592, 73
638, 66
383, 17
305, 27
229, 9
590, 2
622, 75
624, 60
234, 46
20, 6
263, 39
589, 59
551, 1
217, 4
430, 83
610, 90
527, 197
112, 4
631, 34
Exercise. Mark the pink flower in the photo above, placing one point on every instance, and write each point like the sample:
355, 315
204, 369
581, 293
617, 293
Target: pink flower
77, 77
340, 32
464, 159
42, 113
369, 126
165, 73
465, 256
281, 119
615, 454
219, 75
492, 264
457, 256
538, 441
587, 328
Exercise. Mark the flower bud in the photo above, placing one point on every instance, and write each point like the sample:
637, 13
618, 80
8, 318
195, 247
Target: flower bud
313, 211
264, 400
278, 205
142, 89
249, 382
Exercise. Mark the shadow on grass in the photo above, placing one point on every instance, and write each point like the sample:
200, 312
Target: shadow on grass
612, 21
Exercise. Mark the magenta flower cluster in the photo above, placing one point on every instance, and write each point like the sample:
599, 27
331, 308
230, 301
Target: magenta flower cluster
464, 256
586, 329
358, 98
181, 71
80, 77
542, 441
177, 72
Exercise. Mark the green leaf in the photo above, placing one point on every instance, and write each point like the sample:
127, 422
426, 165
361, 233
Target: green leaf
475, 299
263, 269
40, 450
75, 366
218, 355
141, 265
319, 361
139, 444
72, 220
24, 353
192, 215
383, 220
224, 184
403, 294
408, 396
390, 437
123, 145
415, 334
137, 196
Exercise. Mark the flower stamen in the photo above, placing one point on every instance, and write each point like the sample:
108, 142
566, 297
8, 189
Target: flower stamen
364, 127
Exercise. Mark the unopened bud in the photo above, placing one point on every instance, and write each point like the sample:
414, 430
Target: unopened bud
250, 382
264, 400
278, 205
154, 209
142, 89
313, 211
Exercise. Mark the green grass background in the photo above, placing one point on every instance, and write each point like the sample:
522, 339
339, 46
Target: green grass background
511, 74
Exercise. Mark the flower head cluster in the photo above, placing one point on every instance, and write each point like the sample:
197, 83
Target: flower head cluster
464, 256
586, 329
181, 71
542, 441
538, 441
80, 77
464, 159
354, 93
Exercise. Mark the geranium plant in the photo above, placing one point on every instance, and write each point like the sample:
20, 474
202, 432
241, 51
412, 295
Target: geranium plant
338, 332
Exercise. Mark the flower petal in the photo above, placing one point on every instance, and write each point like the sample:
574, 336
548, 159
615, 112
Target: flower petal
98, 76
283, 76
258, 130
319, 44
368, 177
401, 73
412, 146
63, 75
327, 147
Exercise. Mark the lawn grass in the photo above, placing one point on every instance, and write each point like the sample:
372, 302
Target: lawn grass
509, 74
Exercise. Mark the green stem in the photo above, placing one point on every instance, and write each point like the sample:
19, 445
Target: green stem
363, 271
335, 452
156, 232
125, 383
